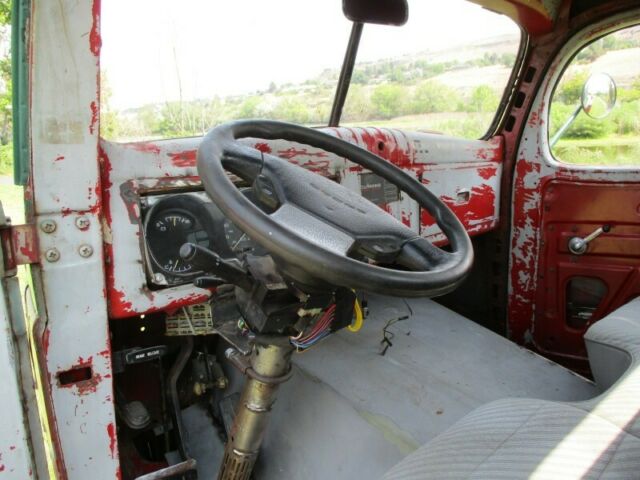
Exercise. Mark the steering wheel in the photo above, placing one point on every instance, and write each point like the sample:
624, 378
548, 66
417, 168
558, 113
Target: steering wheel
316, 229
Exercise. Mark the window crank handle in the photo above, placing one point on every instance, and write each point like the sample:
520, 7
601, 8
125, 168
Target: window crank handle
578, 245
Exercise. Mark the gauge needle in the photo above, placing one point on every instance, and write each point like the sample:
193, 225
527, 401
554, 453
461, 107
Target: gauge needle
238, 241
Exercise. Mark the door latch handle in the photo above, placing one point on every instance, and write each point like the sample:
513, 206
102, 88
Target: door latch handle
578, 245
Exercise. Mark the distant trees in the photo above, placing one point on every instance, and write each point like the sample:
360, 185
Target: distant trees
389, 100
380, 90
483, 99
433, 96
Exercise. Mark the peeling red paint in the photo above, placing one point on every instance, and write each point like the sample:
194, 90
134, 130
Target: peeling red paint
95, 40
146, 147
406, 218
111, 431
523, 266
487, 172
293, 152
119, 306
184, 159
25, 243
263, 147
94, 117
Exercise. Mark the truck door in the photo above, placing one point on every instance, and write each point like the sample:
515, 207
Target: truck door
20, 426
575, 240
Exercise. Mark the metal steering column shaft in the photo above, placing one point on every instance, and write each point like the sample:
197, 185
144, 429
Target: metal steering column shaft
270, 366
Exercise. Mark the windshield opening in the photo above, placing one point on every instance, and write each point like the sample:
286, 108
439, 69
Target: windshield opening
174, 70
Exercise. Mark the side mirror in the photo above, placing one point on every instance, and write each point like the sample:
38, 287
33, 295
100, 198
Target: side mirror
381, 12
598, 95
597, 100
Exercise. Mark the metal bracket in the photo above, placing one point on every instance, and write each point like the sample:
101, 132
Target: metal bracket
19, 245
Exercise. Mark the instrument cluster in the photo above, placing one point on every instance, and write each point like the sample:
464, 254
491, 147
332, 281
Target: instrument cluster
171, 220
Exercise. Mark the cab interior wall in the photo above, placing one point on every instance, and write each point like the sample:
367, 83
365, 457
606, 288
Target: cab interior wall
412, 371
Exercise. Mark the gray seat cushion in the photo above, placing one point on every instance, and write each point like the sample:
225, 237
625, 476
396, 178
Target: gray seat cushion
526, 438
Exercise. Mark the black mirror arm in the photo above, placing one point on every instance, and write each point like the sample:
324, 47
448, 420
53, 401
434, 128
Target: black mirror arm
345, 74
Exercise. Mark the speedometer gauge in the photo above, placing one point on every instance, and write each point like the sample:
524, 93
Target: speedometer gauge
169, 224
168, 230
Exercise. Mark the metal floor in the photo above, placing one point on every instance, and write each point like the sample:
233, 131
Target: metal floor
351, 413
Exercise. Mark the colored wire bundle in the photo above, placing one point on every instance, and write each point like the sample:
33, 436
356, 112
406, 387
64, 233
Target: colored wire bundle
318, 332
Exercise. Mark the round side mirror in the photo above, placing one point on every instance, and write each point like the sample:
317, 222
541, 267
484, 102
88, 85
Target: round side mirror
598, 95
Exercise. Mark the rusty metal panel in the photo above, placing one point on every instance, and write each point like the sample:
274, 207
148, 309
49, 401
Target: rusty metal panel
65, 181
464, 173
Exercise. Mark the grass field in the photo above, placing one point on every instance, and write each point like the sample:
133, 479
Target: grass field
610, 151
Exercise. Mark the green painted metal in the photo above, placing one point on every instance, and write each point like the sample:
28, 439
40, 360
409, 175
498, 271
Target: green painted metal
20, 81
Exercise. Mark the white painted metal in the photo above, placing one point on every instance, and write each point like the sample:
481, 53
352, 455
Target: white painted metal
16, 461
65, 177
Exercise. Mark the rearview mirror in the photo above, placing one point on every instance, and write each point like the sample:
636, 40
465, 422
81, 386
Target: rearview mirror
381, 12
598, 95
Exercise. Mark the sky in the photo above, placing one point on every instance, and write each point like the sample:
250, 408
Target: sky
160, 50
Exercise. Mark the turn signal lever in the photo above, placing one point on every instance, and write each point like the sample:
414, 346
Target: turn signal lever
225, 271
578, 245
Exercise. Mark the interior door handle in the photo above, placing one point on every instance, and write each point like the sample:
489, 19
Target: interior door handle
578, 245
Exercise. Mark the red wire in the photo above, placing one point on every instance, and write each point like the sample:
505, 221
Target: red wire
321, 325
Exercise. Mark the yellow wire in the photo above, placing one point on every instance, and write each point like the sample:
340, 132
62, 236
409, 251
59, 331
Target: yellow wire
356, 325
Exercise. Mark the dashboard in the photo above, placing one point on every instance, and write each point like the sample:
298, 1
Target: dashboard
154, 203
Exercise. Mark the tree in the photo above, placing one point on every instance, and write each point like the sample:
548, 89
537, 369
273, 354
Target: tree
5, 73
357, 108
249, 108
433, 96
483, 99
292, 110
570, 89
388, 100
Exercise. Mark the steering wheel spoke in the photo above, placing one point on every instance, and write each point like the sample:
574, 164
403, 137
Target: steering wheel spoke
322, 234
419, 254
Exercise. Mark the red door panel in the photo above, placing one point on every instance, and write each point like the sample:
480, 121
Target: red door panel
574, 291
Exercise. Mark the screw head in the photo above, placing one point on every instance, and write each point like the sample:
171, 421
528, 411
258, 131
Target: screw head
52, 255
85, 250
48, 226
82, 223
159, 279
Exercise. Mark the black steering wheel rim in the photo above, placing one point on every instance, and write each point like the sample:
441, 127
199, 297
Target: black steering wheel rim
220, 151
